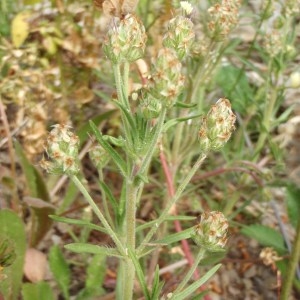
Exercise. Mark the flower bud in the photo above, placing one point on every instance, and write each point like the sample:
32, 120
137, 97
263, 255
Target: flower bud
167, 81
217, 126
223, 17
126, 41
180, 36
211, 232
149, 106
99, 156
62, 149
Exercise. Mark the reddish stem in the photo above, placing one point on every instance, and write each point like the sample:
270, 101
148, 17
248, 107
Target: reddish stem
178, 228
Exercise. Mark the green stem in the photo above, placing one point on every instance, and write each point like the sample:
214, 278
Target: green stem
294, 260
99, 214
130, 227
152, 147
190, 273
125, 80
120, 86
172, 201
267, 120
104, 200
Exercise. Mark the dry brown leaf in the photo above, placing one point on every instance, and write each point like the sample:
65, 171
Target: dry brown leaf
35, 265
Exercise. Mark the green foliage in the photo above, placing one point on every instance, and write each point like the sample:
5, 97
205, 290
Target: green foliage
60, 270
96, 270
266, 236
93, 249
234, 82
13, 230
293, 203
191, 289
37, 291
40, 207
77, 222
34, 180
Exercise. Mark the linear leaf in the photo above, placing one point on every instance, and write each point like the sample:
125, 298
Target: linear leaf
194, 286
94, 249
176, 237
77, 222
266, 236
140, 274
113, 153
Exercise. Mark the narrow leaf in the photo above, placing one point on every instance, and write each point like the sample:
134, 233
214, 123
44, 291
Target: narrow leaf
34, 180
12, 229
266, 236
176, 237
37, 291
110, 196
94, 249
126, 113
82, 133
77, 222
96, 271
156, 286
114, 154
60, 269
293, 203
194, 286
140, 274
169, 218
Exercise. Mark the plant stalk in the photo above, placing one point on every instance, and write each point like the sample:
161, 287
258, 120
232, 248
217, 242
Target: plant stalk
99, 214
294, 260
190, 273
172, 201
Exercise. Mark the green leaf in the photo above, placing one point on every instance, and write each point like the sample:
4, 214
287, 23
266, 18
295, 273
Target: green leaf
96, 271
127, 114
114, 154
140, 274
12, 229
156, 286
266, 236
60, 269
77, 222
293, 203
109, 196
69, 197
194, 286
173, 122
34, 180
82, 133
185, 105
37, 291
169, 218
94, 249
176, 237
235, 85
40, 224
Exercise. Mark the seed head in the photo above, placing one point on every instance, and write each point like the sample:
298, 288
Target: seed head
217, 126
223, 17
126, 41
180, 35
99, 156
62, 149
211, 232
167, 81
